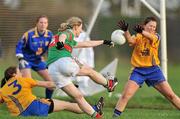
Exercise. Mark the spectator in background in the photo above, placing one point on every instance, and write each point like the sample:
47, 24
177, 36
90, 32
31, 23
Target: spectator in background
30, 50
16, 92
145, 64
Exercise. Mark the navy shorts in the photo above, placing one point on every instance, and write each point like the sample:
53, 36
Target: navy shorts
36, 66
40, 107
150, 75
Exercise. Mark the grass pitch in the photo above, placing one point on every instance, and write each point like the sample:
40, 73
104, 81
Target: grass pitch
146, 104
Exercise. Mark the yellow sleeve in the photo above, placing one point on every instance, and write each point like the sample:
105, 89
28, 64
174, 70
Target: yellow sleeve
31, 81
155, 41
137, 37
1, 99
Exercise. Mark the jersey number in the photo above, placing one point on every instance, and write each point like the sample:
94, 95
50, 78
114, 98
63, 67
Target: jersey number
15, 85
39, 51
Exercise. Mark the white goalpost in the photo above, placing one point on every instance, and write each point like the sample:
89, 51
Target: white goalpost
162, 17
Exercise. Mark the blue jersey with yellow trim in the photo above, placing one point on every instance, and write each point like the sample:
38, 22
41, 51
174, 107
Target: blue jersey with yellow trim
33, 45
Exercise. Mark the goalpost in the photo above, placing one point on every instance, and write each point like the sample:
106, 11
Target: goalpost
162, 17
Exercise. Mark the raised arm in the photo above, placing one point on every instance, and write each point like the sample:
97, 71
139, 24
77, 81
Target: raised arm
139, 29
124, 26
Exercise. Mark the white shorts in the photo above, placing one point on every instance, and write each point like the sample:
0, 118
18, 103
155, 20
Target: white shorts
62, 71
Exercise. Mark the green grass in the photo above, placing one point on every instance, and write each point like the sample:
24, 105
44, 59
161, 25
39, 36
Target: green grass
146, 104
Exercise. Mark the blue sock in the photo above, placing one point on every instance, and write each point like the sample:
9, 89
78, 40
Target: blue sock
49, 93
95, 108
117, 113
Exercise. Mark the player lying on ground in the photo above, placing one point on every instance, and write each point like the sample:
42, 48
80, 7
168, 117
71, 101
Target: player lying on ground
16, 92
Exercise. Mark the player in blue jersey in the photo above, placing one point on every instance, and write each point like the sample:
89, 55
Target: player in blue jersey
30, 50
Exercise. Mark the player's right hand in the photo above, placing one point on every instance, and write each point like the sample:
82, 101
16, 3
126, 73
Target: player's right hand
123, 25
22, 63
109, 43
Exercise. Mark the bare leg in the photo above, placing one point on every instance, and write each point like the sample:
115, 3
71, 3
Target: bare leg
165, 89
63, 105
44, 74
95, 76
72, 91
129, 90
26, 73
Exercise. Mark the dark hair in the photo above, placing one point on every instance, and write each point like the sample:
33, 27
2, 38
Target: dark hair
41, 16
148, 19
8, 74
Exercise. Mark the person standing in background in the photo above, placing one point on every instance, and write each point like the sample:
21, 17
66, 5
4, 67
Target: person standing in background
30, 50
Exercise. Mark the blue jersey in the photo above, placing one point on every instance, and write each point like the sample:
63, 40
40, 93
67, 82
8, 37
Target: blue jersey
33, 45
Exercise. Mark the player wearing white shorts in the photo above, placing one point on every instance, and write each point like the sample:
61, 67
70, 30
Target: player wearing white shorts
62, 66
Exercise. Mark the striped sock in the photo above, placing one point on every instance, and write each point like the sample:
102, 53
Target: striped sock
117, 113
94, 114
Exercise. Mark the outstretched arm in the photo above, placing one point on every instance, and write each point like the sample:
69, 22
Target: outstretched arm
94, 43
46, 84
86, 44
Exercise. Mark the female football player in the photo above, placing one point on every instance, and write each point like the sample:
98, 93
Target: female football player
31, 48
16, 92
145, 64
62, 67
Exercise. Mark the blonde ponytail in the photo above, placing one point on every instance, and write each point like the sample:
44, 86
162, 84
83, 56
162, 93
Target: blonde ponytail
63, 27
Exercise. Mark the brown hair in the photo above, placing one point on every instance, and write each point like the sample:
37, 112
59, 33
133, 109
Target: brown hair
148, 19
8, 73
41, 16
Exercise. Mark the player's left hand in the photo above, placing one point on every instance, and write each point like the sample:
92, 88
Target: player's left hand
138, 28
108, 43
